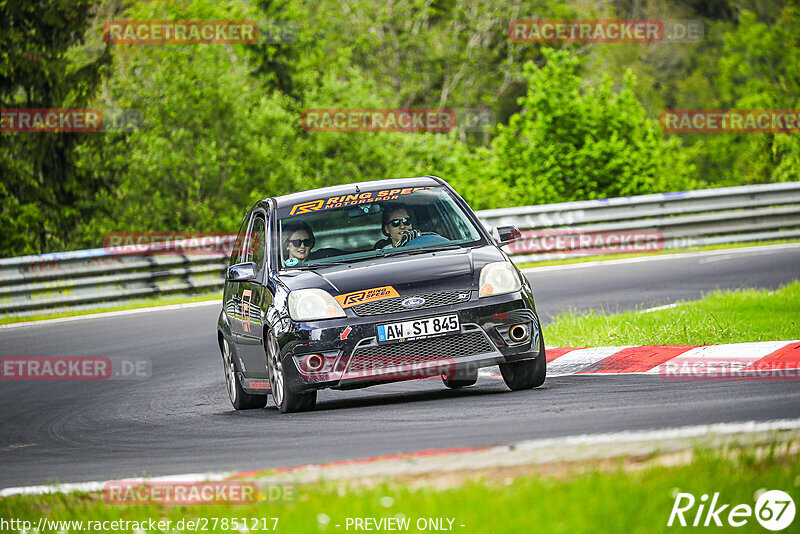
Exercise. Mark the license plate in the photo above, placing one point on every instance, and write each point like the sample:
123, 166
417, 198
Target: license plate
419, 328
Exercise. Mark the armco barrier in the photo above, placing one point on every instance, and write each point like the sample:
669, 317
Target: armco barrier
97, 276
85, 278
680, 220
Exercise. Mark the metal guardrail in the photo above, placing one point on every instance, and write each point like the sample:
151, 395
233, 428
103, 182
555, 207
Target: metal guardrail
83, 278
667, 220
89, 278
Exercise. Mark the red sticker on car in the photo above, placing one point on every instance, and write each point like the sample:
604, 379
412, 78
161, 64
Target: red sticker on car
345, 333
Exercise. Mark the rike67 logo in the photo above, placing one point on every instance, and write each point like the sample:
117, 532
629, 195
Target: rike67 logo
774, 510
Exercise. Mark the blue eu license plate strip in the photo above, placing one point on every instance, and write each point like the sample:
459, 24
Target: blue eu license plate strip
381, 332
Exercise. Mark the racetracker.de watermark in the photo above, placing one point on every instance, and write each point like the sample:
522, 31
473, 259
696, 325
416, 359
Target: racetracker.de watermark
199, 32
731, 121
74, 368
64, 120
604, 31
378, 120
577, 241
401, 368
477, 119
728, 369
171, 243
177, 493
180, 31
122, 120
59, 120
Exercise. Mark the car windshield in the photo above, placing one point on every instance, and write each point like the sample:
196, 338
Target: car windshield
372, 224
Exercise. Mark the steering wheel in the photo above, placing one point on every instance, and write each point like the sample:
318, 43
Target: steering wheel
428, 239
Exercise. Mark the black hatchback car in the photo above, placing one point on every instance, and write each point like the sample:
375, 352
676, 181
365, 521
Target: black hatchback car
362, 284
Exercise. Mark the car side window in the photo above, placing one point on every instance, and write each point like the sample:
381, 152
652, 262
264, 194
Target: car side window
257, 246
456, 226
236, 254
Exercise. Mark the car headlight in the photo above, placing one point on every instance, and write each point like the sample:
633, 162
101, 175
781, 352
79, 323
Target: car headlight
313, 304
498, 278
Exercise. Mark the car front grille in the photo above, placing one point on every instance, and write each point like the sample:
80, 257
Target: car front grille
410, 353
394, 305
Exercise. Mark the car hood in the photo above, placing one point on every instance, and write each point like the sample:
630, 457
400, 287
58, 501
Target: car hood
433, 271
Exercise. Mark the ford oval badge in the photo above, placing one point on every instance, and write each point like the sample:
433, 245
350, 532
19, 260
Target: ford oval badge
413, 302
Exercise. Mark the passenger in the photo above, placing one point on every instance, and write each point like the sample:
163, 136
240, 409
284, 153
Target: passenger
298, 240
397, 226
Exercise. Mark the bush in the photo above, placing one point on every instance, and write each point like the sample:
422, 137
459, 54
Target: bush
578, 142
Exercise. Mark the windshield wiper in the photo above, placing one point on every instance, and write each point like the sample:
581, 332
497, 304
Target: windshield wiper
322, 264
402, 252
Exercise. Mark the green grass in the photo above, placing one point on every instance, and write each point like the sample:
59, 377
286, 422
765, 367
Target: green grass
719, 317
614, 500
128, 305
604, 257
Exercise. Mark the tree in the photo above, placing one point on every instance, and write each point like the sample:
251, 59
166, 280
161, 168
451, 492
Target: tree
436, 53
574, 141
759, 69
42, 66
212, 140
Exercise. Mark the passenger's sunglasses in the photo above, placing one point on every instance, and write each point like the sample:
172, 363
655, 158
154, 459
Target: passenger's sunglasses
297, 242
397, 222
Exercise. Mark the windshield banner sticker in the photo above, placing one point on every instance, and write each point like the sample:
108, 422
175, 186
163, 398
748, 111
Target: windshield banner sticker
366, 295
353, 200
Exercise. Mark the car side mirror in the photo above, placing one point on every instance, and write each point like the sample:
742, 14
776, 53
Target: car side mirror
242, 272
505, 235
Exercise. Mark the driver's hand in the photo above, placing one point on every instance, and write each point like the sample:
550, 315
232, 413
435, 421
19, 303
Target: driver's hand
407, 236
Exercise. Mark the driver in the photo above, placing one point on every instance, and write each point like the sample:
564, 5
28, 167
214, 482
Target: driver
298, 240
397, 225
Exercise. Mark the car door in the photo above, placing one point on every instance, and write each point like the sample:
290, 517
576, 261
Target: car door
231, 294
254, 299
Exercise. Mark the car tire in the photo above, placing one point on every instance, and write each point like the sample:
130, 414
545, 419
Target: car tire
286, 400
526, 374
240, 399
461, 380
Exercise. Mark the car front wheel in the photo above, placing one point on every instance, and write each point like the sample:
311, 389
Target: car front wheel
526, 374
285, 400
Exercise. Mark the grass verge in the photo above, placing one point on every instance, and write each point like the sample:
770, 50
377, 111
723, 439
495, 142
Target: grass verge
666, 252
719, 317
127, 305
612, 499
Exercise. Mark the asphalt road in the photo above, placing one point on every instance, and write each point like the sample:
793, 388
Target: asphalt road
180, 419
620, 285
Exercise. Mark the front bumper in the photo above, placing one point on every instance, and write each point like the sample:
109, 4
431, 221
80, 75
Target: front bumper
354, 358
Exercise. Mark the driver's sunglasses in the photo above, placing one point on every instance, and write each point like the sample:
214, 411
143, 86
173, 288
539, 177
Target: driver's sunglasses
297, 242
406, 221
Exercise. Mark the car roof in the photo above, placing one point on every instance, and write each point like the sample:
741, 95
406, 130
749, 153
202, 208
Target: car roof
344, 189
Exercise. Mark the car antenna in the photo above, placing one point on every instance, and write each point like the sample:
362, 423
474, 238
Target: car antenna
358, 190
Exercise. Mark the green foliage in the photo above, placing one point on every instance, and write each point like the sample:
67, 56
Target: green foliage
760, 69
211, 137
748, 59
42, 65
573, 141
221, 123
216, 139
452, 53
